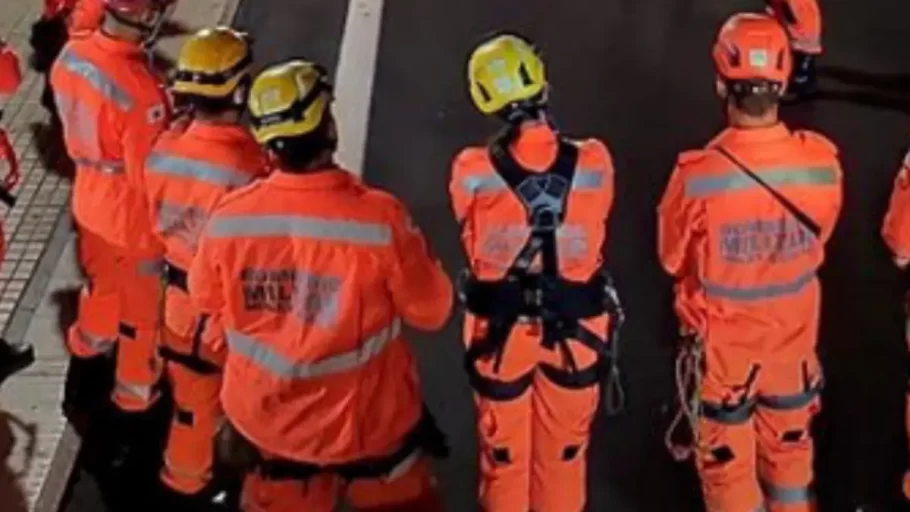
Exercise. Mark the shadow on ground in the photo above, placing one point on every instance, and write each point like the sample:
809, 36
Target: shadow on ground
12, 496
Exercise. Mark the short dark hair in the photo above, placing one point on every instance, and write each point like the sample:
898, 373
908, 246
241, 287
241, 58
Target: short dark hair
754, 97
297, 153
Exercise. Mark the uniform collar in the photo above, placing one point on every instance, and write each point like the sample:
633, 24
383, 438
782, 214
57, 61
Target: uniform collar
214, 131
534, 137
328, 178
119, 46
746, 136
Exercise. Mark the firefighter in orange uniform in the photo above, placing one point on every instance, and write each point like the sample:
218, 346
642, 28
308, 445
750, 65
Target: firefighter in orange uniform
187, 173
533, 208
60, 20
896, 233
13, 356
112, 107
802, 19
314, 274
742, 227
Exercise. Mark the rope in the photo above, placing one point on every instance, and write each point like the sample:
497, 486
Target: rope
688, 395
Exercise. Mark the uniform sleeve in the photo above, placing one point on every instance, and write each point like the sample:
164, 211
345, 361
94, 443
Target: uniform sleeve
833, 208
420, 288
896, 228
459, 194
604, 162
204, 280
144, 124
10, 70
677, 217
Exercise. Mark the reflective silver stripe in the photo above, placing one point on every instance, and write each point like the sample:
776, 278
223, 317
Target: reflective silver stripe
143, 393
279, 365
587, 180
475, 184
362, 233
787, 495
96, 343
161, 163
584, 179
150, 267
758, 292
99, 80
761, 508
707, 185
404, 466
105, 166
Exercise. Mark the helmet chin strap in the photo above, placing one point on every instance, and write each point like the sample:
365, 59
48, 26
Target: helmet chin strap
149, 32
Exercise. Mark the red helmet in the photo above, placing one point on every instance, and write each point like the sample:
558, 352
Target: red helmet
753, 47
133, 7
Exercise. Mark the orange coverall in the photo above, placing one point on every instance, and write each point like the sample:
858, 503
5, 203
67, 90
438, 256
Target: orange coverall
10, 71
314, 275
112, 107
748, 288
187, 173
534, 438
896, 232
10, 79
802, 20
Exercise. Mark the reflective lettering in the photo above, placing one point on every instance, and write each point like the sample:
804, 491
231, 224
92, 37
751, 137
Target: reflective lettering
774, 241
312, 298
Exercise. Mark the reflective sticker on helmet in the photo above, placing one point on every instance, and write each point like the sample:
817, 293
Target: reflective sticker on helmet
503, 83
269, 99
758, 58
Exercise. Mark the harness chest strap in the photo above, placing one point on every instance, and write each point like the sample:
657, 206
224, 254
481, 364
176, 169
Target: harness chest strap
557, 302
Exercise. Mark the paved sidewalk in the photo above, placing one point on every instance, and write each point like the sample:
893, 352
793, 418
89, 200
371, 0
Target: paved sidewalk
37, 447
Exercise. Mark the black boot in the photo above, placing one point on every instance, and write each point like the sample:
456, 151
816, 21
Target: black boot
210, 499
89, 382
803, 82
14, 357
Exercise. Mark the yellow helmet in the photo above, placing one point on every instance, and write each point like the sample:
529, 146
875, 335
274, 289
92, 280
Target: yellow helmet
503, 71
289, 100
213, 63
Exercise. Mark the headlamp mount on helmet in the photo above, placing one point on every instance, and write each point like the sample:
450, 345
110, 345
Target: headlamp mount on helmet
757, 87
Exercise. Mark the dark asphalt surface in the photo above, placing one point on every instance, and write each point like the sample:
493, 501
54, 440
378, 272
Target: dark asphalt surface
637, 73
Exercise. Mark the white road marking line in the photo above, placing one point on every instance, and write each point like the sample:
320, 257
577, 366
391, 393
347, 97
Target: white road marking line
354, 80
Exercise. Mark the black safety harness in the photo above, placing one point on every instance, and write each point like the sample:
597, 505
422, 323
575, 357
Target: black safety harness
557, 303
424, 437
177, 277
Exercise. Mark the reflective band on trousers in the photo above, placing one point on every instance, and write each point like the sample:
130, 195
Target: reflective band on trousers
701, 186
404, 466
102, 83
585, 179
361, 233
162, 163
96, 343
104, 166
786, 495
143, 393
281, 366
758, 292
